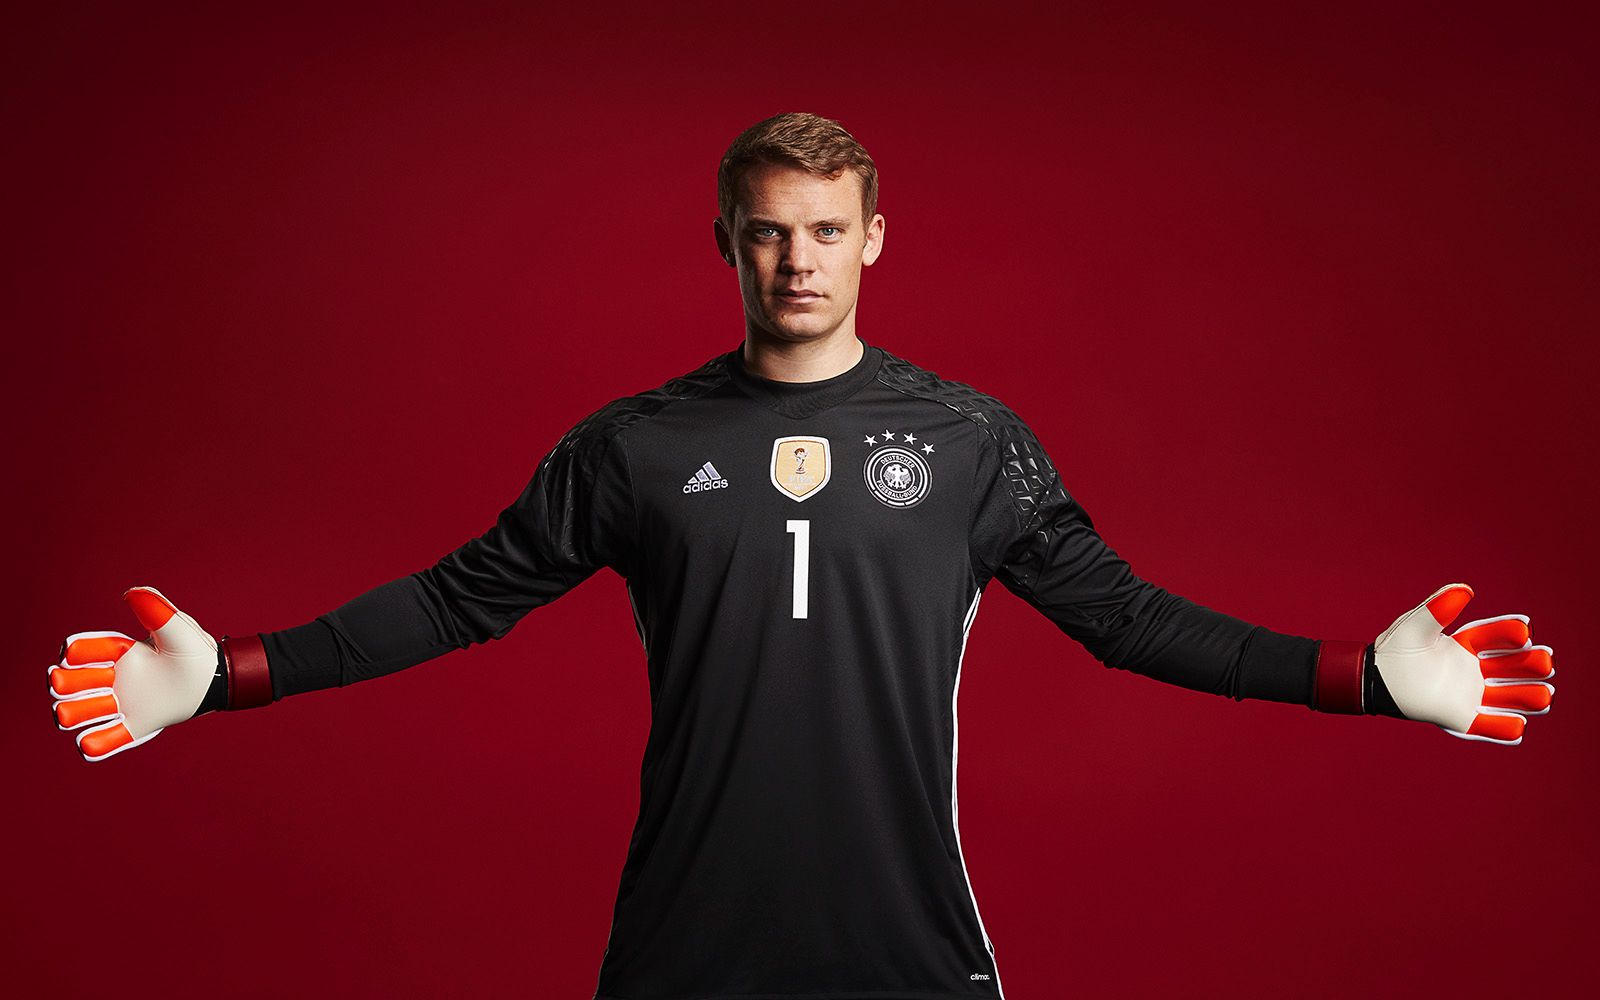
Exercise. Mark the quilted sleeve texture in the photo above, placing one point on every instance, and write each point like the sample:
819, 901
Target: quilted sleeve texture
1042, 545
574, 517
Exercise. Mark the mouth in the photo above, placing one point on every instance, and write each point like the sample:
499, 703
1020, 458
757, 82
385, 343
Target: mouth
800, 296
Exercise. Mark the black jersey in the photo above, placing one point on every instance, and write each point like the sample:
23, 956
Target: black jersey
804, 562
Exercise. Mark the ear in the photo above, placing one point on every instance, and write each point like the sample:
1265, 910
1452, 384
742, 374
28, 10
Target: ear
724, 241
874, 244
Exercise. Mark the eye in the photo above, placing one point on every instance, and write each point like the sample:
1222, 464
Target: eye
829, 230
765, 229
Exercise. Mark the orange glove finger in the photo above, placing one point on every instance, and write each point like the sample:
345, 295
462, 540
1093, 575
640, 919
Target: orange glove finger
1529, 699
1500, 728
82, 711
99, 742
152, 610
1502, 632
66, 682
1533, 663
95, 647
1448, 603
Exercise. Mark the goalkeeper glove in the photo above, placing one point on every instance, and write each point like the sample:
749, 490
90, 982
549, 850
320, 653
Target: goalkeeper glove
1480, 682
117, 692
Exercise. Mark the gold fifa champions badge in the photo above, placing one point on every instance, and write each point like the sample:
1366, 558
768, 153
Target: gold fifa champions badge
801, 466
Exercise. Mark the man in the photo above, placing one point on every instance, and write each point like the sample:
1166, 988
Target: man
806, 525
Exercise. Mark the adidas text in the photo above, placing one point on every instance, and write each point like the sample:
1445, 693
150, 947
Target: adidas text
718, 484
705, 478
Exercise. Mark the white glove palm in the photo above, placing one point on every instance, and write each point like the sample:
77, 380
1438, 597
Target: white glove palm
1480, 682
118, 691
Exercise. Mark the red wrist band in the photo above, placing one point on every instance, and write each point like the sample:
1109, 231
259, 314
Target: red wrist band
1338, 683
249, 680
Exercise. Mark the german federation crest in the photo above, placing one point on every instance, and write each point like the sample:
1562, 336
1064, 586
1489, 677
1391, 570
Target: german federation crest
801, 466
897, 476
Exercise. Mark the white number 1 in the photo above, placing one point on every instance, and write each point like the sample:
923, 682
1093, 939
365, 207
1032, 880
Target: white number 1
802, 564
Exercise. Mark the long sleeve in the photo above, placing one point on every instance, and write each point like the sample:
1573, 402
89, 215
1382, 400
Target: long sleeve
1041, 544
575, 516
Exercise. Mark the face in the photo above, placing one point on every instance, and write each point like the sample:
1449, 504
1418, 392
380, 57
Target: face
799, 243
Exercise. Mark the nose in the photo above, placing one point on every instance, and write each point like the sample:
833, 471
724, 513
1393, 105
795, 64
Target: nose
798, 257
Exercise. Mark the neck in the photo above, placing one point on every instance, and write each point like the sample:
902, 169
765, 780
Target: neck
804, 361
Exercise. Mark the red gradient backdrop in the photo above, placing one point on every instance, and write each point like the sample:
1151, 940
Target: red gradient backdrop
1303, 304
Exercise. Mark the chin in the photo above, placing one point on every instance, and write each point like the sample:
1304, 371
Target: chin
800, 327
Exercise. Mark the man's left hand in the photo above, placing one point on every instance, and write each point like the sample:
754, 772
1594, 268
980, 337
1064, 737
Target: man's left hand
1480, 682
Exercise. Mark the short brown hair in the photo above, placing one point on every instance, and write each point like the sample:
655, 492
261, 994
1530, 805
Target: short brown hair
820, 145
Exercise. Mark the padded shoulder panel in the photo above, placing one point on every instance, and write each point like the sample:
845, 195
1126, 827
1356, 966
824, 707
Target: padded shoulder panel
1027, 468
616, 416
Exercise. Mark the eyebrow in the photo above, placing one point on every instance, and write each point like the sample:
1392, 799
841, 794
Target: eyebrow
756, 220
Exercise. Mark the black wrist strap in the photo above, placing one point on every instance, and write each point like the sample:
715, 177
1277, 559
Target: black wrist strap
1377, 699
216, 698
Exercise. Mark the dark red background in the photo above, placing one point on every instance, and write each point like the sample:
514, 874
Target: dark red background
1303, 304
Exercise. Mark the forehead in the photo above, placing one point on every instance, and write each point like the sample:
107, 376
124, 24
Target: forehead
788, 193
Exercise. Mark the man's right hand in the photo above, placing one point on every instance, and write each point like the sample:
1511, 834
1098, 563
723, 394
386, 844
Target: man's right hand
117, 692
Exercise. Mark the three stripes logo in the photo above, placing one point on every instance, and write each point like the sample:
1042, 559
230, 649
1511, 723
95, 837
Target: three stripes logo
705, 478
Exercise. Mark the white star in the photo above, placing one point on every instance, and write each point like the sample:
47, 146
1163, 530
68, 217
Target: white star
910, 438
871, 439
888, 435
927, 449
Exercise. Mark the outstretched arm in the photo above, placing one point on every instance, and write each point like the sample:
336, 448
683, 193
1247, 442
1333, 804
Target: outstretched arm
575, 516
1040, 543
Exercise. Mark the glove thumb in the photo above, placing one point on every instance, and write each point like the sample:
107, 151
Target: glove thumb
171, 631
1419, 628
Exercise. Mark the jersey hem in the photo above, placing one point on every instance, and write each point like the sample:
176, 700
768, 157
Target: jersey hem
869, 995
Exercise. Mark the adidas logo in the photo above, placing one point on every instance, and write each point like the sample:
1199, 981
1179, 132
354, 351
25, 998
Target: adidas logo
705, 478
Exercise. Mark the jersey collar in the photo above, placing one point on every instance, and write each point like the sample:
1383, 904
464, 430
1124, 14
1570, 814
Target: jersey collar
803, 399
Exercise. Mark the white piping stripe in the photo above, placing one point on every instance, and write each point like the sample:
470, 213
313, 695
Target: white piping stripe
955, 808
638, 621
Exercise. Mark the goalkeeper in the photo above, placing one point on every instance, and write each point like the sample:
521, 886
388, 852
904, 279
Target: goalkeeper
806, 525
